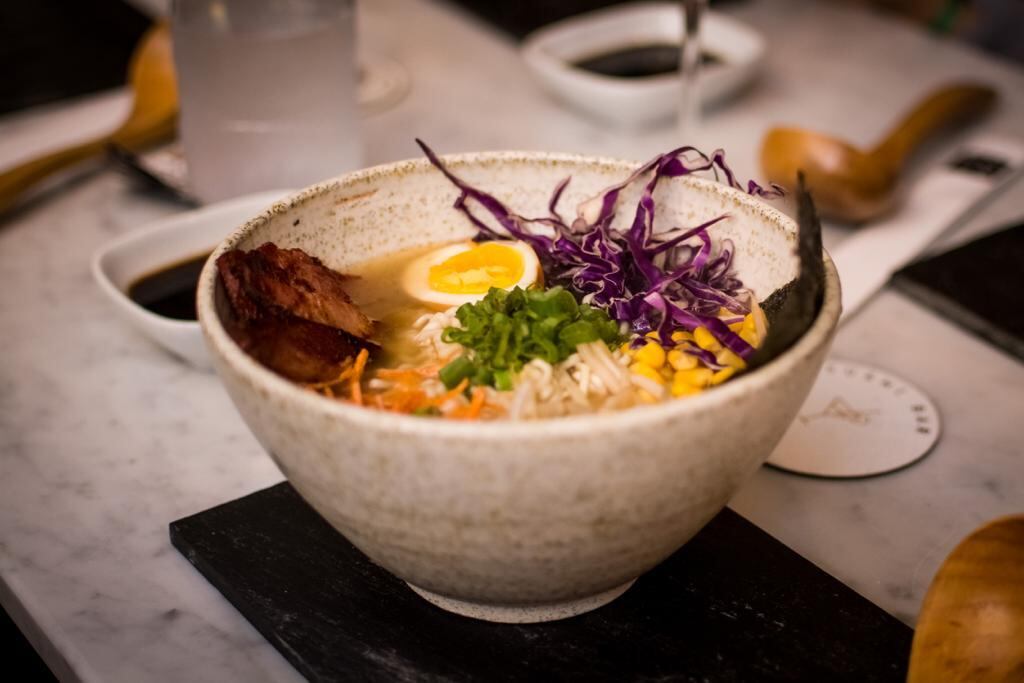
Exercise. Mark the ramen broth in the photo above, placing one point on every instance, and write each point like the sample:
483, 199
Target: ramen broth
379, 293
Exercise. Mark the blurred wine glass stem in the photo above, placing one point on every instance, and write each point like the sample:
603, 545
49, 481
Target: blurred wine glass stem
689, 70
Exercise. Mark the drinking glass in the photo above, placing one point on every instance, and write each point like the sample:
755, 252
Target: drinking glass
268, 93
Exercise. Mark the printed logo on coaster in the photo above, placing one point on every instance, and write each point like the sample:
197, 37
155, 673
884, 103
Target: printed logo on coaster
858, 421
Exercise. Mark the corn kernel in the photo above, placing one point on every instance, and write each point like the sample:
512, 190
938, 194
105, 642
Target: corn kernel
705, 339
698, 377
749, 336
647, 371
625, 348
684, 389
722, 375
748, 322
736, 327
727, 357
681, 336
653, 334
651, 354
681, 360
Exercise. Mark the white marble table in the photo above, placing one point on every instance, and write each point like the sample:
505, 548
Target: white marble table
104, 439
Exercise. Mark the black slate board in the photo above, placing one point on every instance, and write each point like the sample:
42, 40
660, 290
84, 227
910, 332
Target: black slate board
733, 604
977, 285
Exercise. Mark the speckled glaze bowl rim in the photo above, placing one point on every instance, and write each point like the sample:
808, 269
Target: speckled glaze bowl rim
222, 345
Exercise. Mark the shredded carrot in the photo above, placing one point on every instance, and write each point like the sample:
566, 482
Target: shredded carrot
473, 409
405, 376
404, 392
448, 395
405, 400
395, 399
412, 401
413, 375
477, 404
492, 410
357, 376
401, 373
346, 370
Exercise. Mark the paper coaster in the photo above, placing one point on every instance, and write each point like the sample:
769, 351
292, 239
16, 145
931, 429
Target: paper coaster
858, 421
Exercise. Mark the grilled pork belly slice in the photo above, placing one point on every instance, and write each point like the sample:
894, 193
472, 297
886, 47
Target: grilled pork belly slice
300, 284
291, 313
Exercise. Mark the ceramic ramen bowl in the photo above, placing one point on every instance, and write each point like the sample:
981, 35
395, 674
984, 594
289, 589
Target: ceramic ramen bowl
516, 521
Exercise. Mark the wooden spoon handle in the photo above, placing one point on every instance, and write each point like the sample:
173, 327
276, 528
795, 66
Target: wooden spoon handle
948, 106
21, 178
16, 181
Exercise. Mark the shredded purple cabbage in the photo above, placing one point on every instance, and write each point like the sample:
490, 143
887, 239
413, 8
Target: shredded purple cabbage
666, 281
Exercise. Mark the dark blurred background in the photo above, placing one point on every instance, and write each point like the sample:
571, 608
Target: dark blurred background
52, 49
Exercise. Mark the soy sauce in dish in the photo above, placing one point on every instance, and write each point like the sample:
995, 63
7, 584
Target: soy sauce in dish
171, 290
639, 61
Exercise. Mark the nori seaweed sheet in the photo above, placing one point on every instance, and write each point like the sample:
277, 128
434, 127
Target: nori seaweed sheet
773, 304
792, 308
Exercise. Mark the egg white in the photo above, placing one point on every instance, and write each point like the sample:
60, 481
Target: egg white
416, 276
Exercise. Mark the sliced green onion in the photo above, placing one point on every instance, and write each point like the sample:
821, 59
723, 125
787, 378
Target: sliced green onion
552, 302
579, 332
456, 371
503, 380
507, 329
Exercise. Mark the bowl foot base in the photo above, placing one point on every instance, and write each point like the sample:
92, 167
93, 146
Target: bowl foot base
522, 614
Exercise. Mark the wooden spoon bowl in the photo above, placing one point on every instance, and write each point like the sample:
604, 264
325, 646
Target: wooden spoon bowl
153, 118
853, 185
971, 626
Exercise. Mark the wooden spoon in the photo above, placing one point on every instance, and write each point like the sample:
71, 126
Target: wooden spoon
152, 119
971, 626
852, 185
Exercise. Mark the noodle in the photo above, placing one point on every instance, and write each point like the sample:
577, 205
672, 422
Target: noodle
594, 379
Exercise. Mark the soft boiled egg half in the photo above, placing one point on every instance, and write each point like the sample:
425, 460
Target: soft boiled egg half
463, 273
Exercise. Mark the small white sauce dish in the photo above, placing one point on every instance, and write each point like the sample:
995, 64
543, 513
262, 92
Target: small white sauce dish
550, 52
124, 260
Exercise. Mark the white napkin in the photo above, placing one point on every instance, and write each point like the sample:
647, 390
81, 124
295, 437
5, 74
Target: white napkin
36, 131
939, 201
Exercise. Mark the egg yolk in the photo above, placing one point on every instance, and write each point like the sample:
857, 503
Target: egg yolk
477, 269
